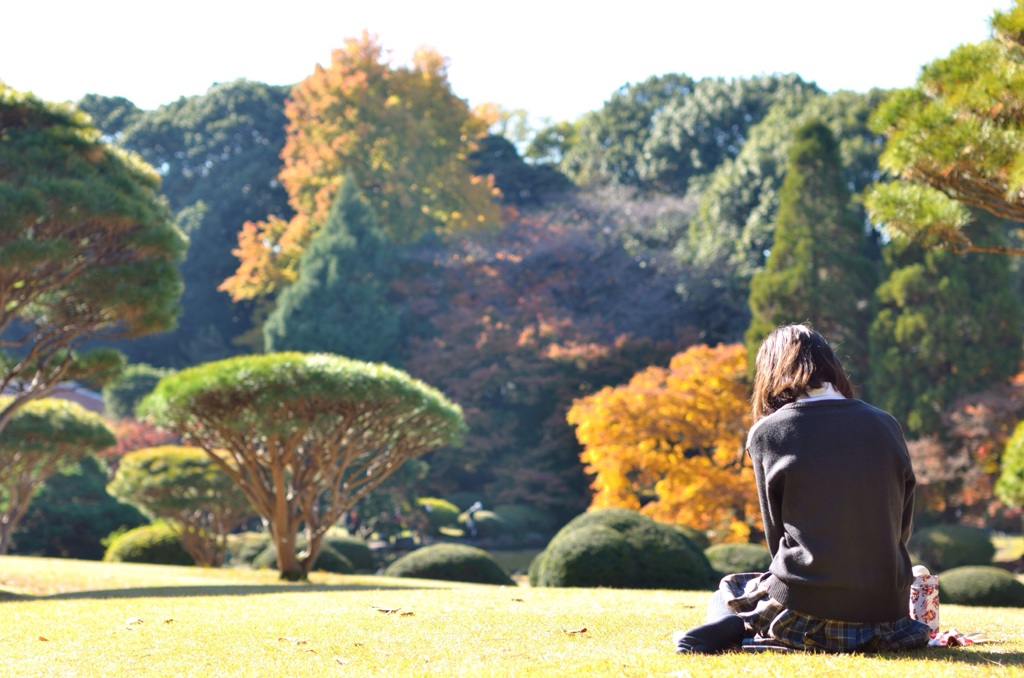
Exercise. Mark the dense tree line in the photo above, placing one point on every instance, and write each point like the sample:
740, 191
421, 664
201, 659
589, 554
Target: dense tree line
681, 212
218, 160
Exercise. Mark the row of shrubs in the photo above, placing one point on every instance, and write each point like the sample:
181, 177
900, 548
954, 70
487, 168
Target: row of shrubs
159, 542
614, 548
340, 553
619, 548
940, 548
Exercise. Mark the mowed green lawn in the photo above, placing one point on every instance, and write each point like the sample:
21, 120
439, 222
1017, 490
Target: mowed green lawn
79, 618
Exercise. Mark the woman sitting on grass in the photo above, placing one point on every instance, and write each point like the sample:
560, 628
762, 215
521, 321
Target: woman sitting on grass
836, 490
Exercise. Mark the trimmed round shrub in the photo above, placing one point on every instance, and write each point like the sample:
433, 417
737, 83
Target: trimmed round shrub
256, 545
355, 549
734, 558
450, 562
592, 557
619, 548
943, 547
329, 560
246, 546
266, 560
980, 585
73, 516
698, 537
440, 513
489, 525
158, 544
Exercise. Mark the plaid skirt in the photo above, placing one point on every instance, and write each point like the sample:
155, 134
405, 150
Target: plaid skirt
747, 596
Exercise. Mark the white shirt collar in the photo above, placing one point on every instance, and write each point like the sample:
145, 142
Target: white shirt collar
826, 392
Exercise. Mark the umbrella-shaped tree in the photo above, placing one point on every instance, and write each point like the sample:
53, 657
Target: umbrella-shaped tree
185, 486
88, 249
41, 438
955, 141
305, 436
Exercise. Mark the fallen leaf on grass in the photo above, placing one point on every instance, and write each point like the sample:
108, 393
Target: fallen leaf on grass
42, 638
571, 631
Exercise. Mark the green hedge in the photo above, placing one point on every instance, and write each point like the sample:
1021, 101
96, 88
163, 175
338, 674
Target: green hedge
489, 525
450, 562
329, 560
698, 537
355, 549
943, 547
246, 546
734, 558
620, 548
440, 513
158, 544
979, 585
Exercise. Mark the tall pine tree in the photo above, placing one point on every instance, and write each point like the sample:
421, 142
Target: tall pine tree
818, 271
339, 302
947, 324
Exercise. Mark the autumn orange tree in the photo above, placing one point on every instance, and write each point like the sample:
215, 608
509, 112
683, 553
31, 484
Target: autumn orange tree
399, 131
670, 442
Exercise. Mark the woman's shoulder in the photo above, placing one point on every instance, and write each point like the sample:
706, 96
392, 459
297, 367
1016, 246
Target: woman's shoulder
770, 423
802, 412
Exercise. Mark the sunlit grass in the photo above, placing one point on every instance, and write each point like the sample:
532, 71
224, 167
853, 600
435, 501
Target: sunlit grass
1009, 547
98, 619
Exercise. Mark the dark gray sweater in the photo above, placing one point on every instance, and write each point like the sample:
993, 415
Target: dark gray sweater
837, 497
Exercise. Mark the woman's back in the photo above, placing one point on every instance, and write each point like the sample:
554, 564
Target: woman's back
836, 490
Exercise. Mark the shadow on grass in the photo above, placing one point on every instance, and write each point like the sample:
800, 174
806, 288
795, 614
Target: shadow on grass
198, 591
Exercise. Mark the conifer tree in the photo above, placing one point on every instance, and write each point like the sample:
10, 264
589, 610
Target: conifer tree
339, 302
946, 324
817, 271
955, 142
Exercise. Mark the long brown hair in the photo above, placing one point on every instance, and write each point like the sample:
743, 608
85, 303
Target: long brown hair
793, 359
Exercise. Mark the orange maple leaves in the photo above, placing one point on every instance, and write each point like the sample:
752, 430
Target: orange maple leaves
670, 442
400, 132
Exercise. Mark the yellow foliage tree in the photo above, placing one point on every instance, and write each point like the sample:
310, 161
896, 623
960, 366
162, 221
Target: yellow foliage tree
399, 132
670, 442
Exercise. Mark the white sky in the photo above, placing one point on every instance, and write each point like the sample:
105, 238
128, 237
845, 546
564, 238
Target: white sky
555, 59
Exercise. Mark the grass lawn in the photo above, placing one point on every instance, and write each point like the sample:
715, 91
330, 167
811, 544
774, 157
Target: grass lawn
1008, 547
76, 618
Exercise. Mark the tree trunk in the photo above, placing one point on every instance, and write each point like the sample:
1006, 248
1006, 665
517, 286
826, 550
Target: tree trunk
288, 564
202, 548
6, 527
18, 504
313, 545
